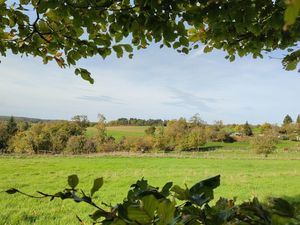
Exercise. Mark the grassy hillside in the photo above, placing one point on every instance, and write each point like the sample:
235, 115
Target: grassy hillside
243, 178
27, 119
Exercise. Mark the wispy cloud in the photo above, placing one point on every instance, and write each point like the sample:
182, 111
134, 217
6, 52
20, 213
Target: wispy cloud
102, 98
185, 99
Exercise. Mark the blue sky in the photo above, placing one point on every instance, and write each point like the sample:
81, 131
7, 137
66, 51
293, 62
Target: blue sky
156, 83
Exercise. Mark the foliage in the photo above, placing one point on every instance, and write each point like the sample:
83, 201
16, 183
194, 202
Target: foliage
67, 31
81, 120
264, 144
266, 127
11, 126
46, 137
136, 122
177, 135
137, 144
109, 146
172, 204
3, 135
22, 142
298, 119
150, 130
23, 126
196, 138
247, 129
80, 144
287, 120
197, 120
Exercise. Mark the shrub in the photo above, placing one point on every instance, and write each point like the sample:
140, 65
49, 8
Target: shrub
109, 146
150, 130
138, 144
21, 143
80, 144
264, 144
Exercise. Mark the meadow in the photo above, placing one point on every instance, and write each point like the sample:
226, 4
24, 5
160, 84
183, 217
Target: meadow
119, 131
243, 175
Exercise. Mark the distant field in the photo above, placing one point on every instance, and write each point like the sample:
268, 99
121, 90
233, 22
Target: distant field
251, 175
120, 131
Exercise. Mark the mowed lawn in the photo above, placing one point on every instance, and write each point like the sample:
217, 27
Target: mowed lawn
243, 178
120, 131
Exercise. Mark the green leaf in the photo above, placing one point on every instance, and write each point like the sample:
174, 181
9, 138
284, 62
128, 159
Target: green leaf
202, 192
180, 193
207, 49
135, 213
166, 189
73, 181
118, 50
291, 65
292, 12
86, 75
97, 185
150, 204
128, 48
165, 212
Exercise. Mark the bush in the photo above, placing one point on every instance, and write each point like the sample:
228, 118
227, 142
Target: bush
109, 146
150, 130
138, 144
80, 144
21, 143
264, 144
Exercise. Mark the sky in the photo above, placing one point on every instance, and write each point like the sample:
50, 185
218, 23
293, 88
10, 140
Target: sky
156, 83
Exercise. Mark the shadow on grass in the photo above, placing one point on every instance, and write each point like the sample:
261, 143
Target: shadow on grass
205, 149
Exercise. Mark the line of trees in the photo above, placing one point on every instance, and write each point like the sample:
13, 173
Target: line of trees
176, 135
137, 122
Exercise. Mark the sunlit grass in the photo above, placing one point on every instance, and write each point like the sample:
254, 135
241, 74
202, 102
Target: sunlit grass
243, 175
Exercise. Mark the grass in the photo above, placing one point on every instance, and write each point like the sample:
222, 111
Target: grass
120, 131
249, 176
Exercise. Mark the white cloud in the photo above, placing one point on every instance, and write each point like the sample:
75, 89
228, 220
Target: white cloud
155, 84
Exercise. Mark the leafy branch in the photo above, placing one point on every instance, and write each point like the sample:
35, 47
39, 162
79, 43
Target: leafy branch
146, 205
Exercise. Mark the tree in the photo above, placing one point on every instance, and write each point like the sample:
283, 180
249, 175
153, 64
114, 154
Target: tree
69, 30
247, 129
101, 135
196, 138
12, 126
101, 118
287, 120
196, 120
81, 120
3, 136
264, 144
298, 119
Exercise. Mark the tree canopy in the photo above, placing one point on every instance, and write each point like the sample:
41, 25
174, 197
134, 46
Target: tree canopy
66, 31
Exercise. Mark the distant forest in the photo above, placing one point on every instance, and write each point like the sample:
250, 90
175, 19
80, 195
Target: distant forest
117, 122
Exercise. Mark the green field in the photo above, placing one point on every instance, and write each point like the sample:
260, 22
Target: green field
243, 176
120, 131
